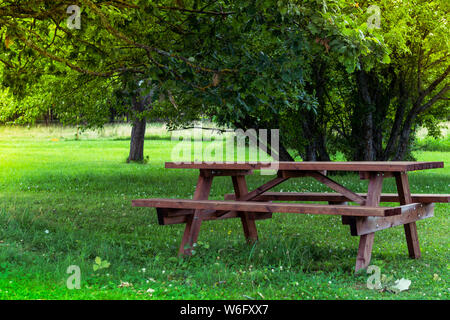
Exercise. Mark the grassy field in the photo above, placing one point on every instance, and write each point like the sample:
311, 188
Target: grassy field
65, 202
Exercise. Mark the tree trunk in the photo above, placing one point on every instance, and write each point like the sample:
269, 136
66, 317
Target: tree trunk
137, 140
396, 129
313, 124
284, 154
137, 132
322, 152
362, 122
404, 139
315, 148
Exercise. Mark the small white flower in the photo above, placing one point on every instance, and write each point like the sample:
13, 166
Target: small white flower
150, 290
47, 232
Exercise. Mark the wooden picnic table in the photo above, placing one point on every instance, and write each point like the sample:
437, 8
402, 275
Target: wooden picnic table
364, 220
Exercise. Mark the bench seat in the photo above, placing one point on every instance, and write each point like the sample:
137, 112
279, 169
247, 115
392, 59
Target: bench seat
270, 207
336, 197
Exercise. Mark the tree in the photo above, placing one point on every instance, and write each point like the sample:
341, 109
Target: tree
370, 111
312, 68
124, 43
392, 100
278, 84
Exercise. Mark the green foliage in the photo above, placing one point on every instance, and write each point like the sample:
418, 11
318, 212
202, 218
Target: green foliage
293, 65
100, 264
373, 113
233, 60
433, 144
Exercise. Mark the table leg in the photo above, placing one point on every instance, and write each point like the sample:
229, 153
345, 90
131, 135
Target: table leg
412, 238
194, 221
247, 218
366, 241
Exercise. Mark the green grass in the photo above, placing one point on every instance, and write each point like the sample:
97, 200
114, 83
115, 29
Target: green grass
427, 143
66, 202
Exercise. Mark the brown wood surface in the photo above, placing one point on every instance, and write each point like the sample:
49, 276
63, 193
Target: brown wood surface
258, 191
410, 214
364, 220
337, 197
364, 251
363, 175
366, 240
247, 218
194, 221
350, 195
412, 238
231, 172
179, 216
267, 207
385, 166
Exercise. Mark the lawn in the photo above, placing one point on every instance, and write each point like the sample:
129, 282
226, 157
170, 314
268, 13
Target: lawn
65, 202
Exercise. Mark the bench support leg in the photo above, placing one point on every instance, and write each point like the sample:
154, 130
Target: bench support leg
412, 238
194, 221
366, 241
364, 251
346, 220
247, 218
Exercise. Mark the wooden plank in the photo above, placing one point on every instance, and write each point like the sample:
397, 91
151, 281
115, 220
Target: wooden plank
193, 222
350, 195
374, 189
351, 222
411, 214
218, 173
364, 251
293, 173
412, 238
267, 186
258, 191
366, 241
365, 175
247, 219
267, 207
382, 166
401, 179
337, 197
176, 216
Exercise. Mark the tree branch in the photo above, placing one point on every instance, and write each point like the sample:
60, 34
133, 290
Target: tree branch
431, 87
221, 13
433, 100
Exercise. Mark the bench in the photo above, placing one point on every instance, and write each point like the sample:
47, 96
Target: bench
357, 228
365, 218
336, 197
176, 211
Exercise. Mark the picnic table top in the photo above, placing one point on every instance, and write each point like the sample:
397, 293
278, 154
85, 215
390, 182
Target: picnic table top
382, 166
